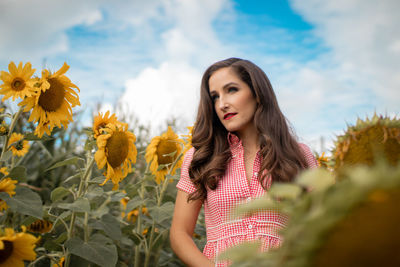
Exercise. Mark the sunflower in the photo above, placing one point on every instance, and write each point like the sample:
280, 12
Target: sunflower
60, 263
53, 103
161, 154
116, 151
322, 160
188, 143
4, 171
353, 223
40, 226
18, 82
7, 185
132, 215
18, 145
101, 121
16, 247
3, 129
367, 140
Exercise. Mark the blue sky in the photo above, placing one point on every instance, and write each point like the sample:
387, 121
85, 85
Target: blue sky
329, 62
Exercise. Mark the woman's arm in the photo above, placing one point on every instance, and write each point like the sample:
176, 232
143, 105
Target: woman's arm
182, 228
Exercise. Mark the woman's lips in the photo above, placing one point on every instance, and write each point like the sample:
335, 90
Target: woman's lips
229, 116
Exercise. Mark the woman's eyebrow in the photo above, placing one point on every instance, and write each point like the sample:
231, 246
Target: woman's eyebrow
230, 84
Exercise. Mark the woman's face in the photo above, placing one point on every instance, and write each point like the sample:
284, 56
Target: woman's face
233, 100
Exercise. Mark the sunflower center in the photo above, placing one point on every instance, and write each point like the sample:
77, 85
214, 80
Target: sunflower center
52, 99
117, 148
166, 147
19, 145
18, 84
6, 252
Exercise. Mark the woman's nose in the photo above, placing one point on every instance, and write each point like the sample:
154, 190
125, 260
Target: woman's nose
222, 104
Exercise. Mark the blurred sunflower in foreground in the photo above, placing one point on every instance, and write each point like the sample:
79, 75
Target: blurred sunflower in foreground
116, 152
7, 185
52, 104
16, 247
18, 82
18, 145
367, 140
162, 152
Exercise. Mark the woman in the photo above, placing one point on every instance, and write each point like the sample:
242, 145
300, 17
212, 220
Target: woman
241, 144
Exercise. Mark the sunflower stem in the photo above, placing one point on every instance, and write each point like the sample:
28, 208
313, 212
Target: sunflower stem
83, 184
12, 125
138, 228
159, 202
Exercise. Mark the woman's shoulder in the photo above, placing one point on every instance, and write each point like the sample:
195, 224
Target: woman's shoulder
309, 155
187, 158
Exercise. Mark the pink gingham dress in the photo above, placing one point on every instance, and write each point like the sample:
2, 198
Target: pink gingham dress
224, 232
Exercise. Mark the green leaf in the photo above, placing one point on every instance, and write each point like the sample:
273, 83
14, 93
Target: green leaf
33, 137
18, 173
25, 201
159, 214
130, 230
72, 177
70, 161
96, 251
160, 239
117, 196
59, 193
318, 179
62, 237
242, 252
97, 180
80, 205
284, 190
6, 156
110, 225
134, 203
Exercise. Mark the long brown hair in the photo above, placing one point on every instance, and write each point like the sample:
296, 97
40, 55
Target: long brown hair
282, 157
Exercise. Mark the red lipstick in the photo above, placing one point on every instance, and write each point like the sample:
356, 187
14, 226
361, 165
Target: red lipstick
228, 116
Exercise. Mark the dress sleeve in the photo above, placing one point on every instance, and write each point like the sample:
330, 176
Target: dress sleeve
185, 184
311, 161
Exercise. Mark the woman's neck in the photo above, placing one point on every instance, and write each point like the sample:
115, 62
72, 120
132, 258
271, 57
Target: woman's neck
250, 140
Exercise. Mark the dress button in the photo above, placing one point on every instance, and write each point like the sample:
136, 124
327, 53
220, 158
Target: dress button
250, 226
256, 174
248, 199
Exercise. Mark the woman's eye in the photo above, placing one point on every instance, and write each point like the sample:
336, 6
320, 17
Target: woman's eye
232, 89
214, 97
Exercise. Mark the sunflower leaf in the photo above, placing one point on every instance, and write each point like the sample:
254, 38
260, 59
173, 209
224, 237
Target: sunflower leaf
110, 225
59, 193
159, 214
70, 161
18, 173
98, 251
80, 205
6, 156
33, 137
25, 201
134, 203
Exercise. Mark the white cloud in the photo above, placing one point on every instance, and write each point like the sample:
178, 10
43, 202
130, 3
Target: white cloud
164, 93
31, 30
364, 37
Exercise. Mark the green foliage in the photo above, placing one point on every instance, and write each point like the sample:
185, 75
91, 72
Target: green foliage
58, 181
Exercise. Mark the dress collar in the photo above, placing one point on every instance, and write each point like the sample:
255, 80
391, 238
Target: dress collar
233, 139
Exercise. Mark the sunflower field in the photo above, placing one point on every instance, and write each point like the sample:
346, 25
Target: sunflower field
74, 196
104, 195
